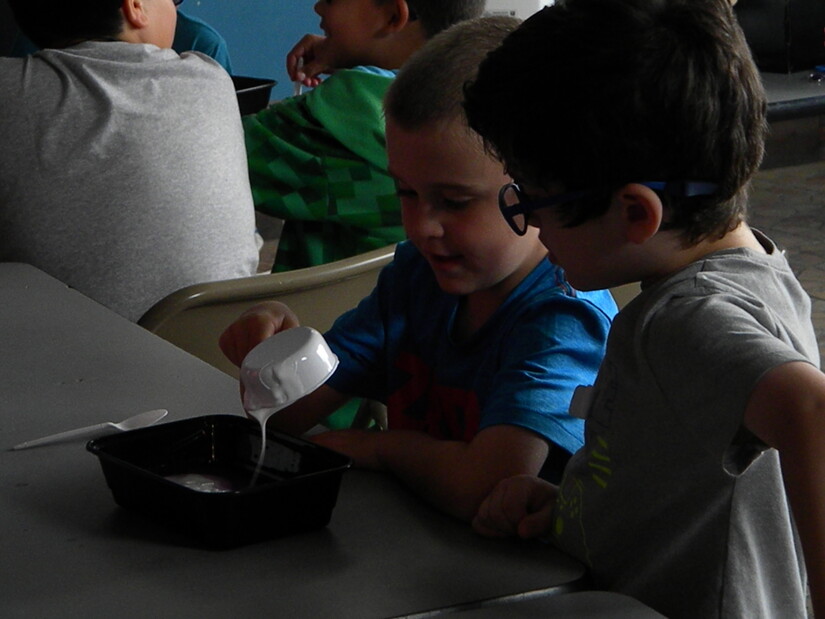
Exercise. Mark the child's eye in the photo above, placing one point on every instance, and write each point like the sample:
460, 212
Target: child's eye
404, 193
455, 204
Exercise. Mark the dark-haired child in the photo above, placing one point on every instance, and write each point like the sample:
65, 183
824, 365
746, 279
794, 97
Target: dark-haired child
706, 426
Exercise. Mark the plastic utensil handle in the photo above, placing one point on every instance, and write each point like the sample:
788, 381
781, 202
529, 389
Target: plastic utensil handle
297, 90
95, 431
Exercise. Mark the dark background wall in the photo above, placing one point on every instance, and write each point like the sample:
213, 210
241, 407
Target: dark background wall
8, 31
259, 33
785, 34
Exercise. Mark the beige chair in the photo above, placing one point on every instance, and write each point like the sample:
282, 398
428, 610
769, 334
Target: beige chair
194, 317
624, 294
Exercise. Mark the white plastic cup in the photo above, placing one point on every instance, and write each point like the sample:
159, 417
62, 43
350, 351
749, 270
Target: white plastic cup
286, 367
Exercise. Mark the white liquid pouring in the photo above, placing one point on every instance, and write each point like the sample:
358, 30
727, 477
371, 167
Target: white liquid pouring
277, 372
283, 386
262, 415
215, 483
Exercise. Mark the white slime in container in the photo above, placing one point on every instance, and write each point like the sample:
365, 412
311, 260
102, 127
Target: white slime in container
202, 483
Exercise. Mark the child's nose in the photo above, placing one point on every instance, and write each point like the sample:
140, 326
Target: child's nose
427, 223
319, 7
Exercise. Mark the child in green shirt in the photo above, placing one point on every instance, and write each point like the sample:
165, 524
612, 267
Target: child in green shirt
318, 160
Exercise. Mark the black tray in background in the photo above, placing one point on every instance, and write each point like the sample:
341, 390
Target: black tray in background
253, 93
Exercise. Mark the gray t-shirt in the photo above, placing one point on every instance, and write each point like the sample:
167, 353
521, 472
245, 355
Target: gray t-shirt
123, 171
671, 500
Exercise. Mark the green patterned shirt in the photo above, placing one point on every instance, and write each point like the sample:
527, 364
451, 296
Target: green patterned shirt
319, 162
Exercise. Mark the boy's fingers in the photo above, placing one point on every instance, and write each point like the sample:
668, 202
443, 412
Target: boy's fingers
246, 343
241, 347
540, 501
246, 333
541, 494
302, 61
510, 508
301, 47
253, 327
311, 70
499, 513
536, 524
228, 343
486, 524
520, 505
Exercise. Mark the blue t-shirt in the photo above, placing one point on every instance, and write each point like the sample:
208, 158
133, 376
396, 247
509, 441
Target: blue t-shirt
390, 73
520, 368
192, 33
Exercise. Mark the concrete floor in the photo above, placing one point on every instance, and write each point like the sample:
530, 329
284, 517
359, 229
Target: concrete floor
788, 204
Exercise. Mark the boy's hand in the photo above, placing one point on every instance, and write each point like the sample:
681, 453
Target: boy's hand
253, 327
309, 59
519, 505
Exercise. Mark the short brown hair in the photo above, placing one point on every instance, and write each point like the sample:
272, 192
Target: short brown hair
438, 15
429, 88
631, 91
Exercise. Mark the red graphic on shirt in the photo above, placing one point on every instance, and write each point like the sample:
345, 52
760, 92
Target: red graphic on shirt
421, 404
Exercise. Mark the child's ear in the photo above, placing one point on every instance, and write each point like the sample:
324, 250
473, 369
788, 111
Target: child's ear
398, 16
641, 212
134, 14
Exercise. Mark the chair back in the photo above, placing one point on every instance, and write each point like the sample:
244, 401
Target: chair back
625, 293
194, 317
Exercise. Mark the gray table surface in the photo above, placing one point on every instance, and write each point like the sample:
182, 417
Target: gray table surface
67, 550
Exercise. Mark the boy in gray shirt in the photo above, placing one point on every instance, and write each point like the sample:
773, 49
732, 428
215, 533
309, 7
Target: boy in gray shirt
710, 393
122, 166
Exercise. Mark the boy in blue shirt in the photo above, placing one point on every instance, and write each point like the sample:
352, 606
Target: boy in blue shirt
472, 338
710, 392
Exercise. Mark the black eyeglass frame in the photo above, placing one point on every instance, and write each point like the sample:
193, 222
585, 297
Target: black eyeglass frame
526, 205
177, 2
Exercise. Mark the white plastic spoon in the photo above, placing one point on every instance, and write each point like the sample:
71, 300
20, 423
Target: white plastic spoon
141, 420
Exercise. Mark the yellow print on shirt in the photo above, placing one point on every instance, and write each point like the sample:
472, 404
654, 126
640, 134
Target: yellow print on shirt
599, 463
569, 503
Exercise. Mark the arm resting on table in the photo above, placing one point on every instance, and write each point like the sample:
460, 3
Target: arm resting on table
452, 475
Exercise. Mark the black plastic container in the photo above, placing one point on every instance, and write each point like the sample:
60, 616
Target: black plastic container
253, 93
295, 489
